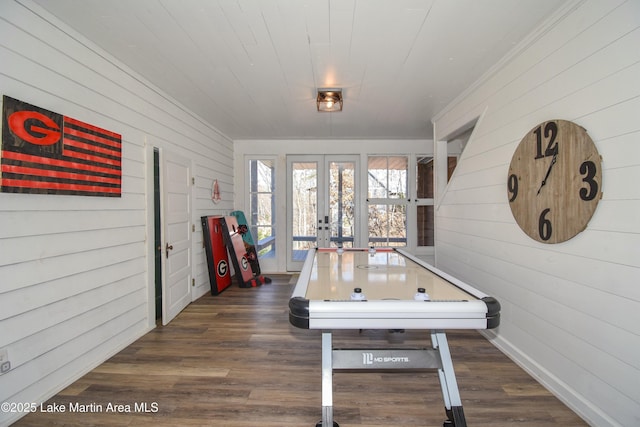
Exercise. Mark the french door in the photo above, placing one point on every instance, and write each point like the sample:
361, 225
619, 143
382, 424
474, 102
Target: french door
322, 209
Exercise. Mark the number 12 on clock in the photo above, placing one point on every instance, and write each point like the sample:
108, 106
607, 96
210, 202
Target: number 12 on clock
555, 181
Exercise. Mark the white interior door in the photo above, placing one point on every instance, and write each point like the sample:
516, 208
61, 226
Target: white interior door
322, 209
176, 236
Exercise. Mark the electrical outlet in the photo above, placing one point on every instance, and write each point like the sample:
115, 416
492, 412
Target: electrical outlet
5, 365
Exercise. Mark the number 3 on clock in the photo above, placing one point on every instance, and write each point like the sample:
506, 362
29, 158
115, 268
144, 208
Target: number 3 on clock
554, 181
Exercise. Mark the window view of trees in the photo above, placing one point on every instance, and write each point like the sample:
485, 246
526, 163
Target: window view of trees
391, 202
342, 203
262, 205
304, 199
341, 207
387, 200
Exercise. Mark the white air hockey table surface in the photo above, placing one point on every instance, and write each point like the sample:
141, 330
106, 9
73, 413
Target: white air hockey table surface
386, 289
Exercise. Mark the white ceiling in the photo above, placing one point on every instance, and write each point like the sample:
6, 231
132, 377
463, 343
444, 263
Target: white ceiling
251, 67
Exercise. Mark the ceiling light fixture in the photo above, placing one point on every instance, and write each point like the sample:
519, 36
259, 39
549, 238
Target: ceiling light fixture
329, 100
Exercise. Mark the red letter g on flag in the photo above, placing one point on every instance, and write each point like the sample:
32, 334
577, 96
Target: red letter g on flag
34, 133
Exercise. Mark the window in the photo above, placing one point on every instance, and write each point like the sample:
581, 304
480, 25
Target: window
387, 200
262, 205
424, 197
424, 201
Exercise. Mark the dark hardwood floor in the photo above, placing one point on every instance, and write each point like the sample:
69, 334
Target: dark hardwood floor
234, 360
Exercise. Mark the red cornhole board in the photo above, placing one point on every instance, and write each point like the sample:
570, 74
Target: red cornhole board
216, 251
237, 251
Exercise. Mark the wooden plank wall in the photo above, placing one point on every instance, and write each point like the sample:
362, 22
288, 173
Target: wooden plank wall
570, 310
74, 284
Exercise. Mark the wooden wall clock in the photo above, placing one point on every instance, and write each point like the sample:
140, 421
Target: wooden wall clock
555, 181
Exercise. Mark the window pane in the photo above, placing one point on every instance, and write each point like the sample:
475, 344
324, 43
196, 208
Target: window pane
425, 226
304, 199
262, 205
377, 178
341, 203
387, 225
378, 225
397, 185
424, 177
397, 225
387, 177
387, 182
261, 176
266, 241
452, 162
264, 209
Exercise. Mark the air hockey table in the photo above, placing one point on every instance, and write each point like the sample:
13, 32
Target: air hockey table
387, 289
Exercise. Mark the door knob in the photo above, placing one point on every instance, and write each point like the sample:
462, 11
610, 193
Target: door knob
168, 248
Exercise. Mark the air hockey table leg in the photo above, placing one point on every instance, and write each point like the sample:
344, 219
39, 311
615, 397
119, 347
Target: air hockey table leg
448, 383
327, 382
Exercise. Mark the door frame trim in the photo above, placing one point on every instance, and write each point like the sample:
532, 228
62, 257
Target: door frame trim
150, 244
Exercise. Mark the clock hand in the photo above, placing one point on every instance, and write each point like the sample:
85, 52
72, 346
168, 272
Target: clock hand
544, 181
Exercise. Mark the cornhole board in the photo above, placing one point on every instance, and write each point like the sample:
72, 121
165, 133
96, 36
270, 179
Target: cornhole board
252, 252
237, 252
216, 252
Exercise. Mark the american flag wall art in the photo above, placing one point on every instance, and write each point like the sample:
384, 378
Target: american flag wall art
47, 153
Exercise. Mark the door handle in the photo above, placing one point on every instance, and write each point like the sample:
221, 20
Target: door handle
168, 248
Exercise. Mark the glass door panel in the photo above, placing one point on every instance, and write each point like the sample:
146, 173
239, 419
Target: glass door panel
304, 207
341, 205
322, 211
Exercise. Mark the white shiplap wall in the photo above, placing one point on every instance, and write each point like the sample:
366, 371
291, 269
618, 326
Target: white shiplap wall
570, 311
75, 278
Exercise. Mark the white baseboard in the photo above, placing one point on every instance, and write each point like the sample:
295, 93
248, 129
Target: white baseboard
585, 409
